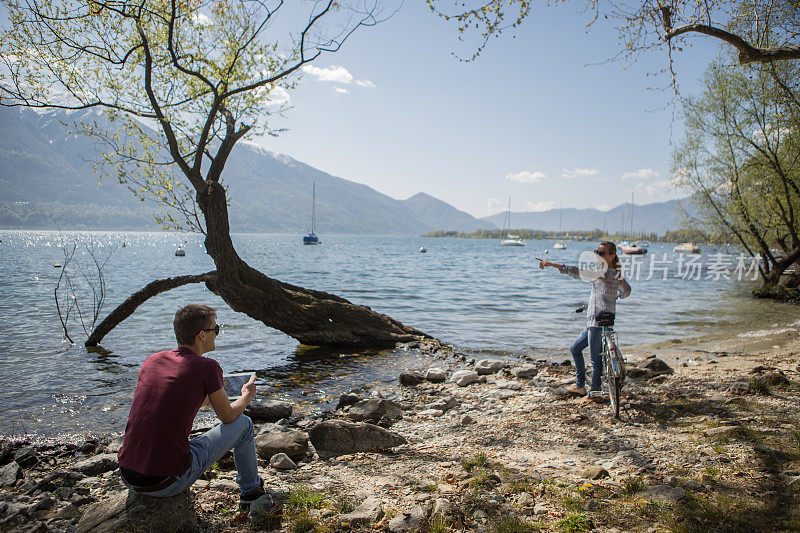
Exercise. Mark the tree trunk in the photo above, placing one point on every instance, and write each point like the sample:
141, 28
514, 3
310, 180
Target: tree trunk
312, 317
127, 307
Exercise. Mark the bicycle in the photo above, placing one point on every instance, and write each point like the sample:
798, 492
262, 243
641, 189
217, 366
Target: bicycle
613, 362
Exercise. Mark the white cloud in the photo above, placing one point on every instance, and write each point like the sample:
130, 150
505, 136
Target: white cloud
526, 177
340, 90
278, 96
641, 174
604, 207
494, 206
365, 83
332, 73
579, 172
201, 20
658, 188
540, 206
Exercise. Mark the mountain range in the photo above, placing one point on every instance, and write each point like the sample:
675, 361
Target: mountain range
47, 181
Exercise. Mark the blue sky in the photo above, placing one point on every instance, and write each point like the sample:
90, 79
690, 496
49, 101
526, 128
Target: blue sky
539, 116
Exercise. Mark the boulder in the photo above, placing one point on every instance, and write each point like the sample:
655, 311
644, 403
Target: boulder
637, 372
663, 493
130, 511
268, 410
489, 366
657, 366
467, 420
9, 474
444, 404
594, 472
26, 456
94, 466
410, 379
348, 398
281, 461
436, 375
524, 371
407, 521
775, 379
337, 437
291, 442
370, 510
441, 509
430, 412
739, 388
462, 378
374, 409
265, 512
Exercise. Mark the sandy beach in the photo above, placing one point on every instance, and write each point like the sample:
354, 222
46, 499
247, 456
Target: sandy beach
707, 441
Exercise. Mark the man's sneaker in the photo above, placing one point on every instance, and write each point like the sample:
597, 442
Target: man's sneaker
246, 499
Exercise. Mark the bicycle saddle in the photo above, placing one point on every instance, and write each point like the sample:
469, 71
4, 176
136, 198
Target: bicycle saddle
605, 319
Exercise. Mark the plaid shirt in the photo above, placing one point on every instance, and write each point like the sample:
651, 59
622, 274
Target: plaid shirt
605, 290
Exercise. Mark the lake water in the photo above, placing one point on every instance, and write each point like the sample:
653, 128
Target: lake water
479, 296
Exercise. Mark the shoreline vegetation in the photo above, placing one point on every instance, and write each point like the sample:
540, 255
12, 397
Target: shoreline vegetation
707, 441
672, 237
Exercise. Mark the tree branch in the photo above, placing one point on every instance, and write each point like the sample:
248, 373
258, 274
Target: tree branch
747, 52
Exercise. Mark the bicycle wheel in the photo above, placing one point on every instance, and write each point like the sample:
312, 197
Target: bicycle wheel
612, 381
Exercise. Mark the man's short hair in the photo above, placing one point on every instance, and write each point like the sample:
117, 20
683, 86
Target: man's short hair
190, 320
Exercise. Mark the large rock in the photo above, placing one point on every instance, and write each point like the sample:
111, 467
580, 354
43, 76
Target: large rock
268, 410
657, 366
348, 398
291, 442
663, 493
337, 437
26, 456
407, 521
265, 512
436, 375
462, 378
410, 379
370, 510
374, 409
775, 379
130, 511
524, 371
441, 509
443, 404
281, 461
489, 366
9, 474
94, 466
594, 472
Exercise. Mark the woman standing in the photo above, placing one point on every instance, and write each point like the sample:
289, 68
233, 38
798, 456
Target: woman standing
607, 285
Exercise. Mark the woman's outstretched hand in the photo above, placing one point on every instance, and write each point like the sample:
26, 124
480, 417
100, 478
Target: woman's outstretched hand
543, 263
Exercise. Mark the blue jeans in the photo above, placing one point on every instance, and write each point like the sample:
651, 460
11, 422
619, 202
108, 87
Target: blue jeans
209, 448
592, 337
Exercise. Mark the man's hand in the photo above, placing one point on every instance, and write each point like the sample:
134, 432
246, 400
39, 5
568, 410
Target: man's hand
249, 389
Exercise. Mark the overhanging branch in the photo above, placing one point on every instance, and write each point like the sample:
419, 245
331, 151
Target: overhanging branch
747, 52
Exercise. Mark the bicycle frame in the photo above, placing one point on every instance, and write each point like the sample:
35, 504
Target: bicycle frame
610, 350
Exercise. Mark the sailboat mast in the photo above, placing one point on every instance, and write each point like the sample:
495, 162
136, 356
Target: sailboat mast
314, 208
631, 215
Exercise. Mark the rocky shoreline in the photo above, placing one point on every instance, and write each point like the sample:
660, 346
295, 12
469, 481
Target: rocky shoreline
708, 440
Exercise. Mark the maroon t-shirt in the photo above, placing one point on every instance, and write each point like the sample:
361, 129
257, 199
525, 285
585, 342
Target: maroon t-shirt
172, 385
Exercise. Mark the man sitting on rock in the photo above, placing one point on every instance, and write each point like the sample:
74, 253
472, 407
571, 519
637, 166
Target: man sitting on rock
157, 458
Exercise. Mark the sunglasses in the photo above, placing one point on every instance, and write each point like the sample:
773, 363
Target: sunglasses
601, 253
215, 329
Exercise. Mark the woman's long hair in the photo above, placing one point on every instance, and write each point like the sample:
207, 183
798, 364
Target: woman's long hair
612, 248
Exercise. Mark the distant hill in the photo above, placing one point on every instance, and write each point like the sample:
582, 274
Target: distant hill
441, 215
656, 217
46, 181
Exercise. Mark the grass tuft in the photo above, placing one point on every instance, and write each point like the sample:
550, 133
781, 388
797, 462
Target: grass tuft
508, 523
574, 523
632, 485
303, 499
478, 461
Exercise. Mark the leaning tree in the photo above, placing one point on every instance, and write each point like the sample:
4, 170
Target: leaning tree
182, 81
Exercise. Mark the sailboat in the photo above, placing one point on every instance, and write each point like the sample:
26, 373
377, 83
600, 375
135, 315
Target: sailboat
560, 245
632, 248
312, 238
510, 240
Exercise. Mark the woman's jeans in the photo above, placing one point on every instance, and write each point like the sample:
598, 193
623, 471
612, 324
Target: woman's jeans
591, 336
209, 448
